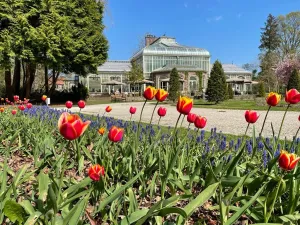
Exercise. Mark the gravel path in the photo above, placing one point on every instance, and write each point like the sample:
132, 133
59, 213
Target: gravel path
225, 120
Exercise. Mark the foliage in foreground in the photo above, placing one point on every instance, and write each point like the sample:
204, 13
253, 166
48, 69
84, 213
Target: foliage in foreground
152, 175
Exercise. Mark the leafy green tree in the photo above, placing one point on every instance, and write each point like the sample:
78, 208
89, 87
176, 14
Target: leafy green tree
174, 85
230, 91
294, 81
261, 89
135, 74
216, 88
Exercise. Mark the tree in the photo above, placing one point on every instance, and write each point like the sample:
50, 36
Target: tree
230, 91
135, 74
216, 88
289, 32
200, 78
63, 36
268, 65
261, 89
294, 81
270, 39
174, 85
286, 66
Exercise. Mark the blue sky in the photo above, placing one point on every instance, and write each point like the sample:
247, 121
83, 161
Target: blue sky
228, 29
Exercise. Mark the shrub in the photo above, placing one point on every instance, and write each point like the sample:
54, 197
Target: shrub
174, 85
261, 89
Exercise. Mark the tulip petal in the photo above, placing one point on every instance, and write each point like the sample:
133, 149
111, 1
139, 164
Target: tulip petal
67, 131
80, 126
62, 119
293, 164
284, 160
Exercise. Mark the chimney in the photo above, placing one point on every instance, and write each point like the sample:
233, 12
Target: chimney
149, 39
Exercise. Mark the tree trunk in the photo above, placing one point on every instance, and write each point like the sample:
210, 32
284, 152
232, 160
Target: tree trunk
46, 80
17, 77
54, 79
8, 85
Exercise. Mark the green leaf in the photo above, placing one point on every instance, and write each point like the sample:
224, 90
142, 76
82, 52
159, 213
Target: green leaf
238, 214
133, 217
14, 211
199, 200
117, 192
33, 218
43, 180
169, 210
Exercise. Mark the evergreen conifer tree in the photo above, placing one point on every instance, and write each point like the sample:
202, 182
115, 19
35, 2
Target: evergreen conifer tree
174, 85
294, 81
261, 89
230, 91
216, 88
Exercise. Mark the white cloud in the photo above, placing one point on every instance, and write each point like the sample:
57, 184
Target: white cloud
214, 19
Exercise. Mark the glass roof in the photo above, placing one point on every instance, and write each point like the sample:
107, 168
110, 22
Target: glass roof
168, 46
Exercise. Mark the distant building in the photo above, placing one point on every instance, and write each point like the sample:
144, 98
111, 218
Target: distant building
239, 78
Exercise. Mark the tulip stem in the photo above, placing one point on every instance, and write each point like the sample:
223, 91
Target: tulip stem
138, 130
153, 112
175, 129
295, 139
159, 120
182, 120
282, 121
262, 128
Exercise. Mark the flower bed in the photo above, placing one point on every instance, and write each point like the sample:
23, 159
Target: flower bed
61, 168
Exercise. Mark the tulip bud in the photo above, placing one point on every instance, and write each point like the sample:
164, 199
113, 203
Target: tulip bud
161, 111
251, 116
132, 110
81, 104
200, 122
115, 134
292, 96
69, 104
108, 109
96, 172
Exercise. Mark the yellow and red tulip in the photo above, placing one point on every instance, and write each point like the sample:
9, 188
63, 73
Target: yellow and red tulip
44, 97
161, 95
71, 126
115, 134
101, 130
292, 96
1, 109
184, 105
161, 111
108, 109
200, 122
273, 99
251, 116
149, 93
96, 172
287, 161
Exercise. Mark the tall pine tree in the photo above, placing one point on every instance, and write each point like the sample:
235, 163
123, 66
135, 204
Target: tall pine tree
174, 85
294, 81
216, 88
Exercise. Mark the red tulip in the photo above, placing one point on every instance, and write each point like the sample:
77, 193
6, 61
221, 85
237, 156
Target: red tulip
81, 104
69, 104
21, 107
149, 93
44, 97
132, 110
108, 109
71, 126
96, 172
287, 161
16, 98
13, 112
200, 122
251, 116
115, 134
273, 99
292, 96
299, 118
184, 105
161, 111
161, 95
191, 117
29, 105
